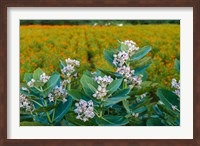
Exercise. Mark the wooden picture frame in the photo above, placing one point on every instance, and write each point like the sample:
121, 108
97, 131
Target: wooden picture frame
101, 3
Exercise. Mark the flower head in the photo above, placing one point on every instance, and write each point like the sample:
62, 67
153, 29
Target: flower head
84, 110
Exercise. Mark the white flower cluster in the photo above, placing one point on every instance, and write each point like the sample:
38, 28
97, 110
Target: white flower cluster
84, 110
135, 115
123, 56
44, 78
31, 83
129, 76
131, 46
57, 92
120, 58
102, 84
25, 103
176, 85
69, 69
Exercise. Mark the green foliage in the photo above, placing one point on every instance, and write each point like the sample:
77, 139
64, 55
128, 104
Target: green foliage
126, 101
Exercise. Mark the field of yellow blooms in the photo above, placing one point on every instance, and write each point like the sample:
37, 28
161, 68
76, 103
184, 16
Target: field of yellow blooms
43, 46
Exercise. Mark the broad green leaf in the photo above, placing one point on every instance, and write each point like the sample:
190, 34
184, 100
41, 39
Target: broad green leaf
140, 109
77, 95
168, 98
142, 62
62, 109
109, 120
142, 69
154, 122
110, 73
118, 97
37, 73
45, 109
126, 105
71, 118
114, 85
108, 55
177, 65
89, 85
141, 53
27, 123
28, 77
52, 82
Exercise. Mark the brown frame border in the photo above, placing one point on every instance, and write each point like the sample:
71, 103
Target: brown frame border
101, 3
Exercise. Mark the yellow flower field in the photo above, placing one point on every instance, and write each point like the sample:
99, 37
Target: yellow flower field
43, 46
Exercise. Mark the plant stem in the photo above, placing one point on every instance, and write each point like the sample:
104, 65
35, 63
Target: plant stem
49, 119
36, 102
54, 112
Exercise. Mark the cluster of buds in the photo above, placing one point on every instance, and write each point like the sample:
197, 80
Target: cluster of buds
84, 110
56, 93
69, 69
25, 103
31, 83
176, 85
44, 78
102, 84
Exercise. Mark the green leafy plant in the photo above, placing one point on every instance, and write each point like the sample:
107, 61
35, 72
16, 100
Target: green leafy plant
101, 98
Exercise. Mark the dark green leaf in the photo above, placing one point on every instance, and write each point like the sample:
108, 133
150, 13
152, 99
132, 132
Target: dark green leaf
141, 69
118, 97
89, 85
62, 109
114, 86
52, 82
154, 122
177, 65
168, 98
108, 55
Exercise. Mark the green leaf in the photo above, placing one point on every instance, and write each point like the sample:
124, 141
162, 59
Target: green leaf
111, 121
114, 86
123, 47
140, 109
62, 64
142, 69
141, 53
37, 73
52, 82
71, 118
77, 95
168, 98
89, 85
44, 109
126, 105
110, 73
62, 109
28, 77
27, 123
154, 122
118, 97
108, 55
177, 65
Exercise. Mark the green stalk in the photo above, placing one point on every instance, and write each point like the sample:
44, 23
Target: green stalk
54, 112
36, 102
48, 116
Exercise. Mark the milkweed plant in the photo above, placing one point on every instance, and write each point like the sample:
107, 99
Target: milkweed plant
103, 98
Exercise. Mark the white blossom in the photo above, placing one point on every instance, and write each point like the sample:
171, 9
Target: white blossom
51, 97
102, 84
135, 115
176, 85
84, 110
25, 103
31, 83
44, 78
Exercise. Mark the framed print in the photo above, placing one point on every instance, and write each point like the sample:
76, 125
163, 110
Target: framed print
99, 73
